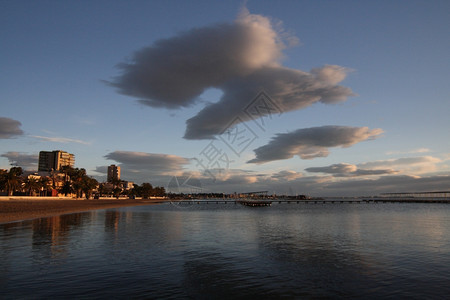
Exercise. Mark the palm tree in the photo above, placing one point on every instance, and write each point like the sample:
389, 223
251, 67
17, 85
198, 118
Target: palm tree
13, 181
76, 177
32, 185
45, 185
66, 188
102, 190
3, 175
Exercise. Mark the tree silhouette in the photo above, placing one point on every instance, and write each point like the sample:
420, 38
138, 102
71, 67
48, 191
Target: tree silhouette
88, 184
12, 180
146, 190
32, 185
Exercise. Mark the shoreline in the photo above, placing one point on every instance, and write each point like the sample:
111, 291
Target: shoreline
16, 210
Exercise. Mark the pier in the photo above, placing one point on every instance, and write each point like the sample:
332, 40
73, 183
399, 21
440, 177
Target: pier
366, 200
255, 202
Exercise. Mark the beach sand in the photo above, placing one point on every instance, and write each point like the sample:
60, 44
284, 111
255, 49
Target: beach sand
19, 210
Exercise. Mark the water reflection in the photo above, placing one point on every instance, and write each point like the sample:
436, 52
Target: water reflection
230, 252
51, 235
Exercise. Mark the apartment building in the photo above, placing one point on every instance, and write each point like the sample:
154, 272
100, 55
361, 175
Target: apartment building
113, 173
55, 160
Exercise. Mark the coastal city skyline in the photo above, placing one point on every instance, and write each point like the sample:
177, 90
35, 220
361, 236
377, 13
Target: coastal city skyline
344, 99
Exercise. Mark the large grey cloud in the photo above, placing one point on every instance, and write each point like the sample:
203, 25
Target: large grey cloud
348, 170
288, 89
144, 167
241, 59
309, 143
173, 72
148, 161
20, 159
9, 128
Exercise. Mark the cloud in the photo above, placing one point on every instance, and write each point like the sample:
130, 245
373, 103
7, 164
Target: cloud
59, 139
293, 183
418, 165
309, 143
334, 169
287, 175
328, 185
143, 167
173, 72
20, 159
389, 184
9, 128
363, 172
288, 89
348, 170
401, 161
414, 151
234, 176
241, 59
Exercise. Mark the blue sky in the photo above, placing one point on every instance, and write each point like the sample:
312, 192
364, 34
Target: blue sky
361, 87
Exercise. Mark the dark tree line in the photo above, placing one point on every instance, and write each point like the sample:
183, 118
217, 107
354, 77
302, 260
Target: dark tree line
146, 190
75, 181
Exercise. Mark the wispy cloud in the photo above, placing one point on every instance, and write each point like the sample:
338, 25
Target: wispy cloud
309, 143
59, 140
9, 128
386, 184
415, 165
348, 170
241, 59
414, 151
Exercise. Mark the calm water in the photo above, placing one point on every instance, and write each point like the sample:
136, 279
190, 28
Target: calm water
205, 251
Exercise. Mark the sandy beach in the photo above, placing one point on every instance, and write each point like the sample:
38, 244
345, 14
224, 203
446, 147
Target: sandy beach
24, 209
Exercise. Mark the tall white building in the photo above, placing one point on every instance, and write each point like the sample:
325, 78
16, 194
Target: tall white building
55, 160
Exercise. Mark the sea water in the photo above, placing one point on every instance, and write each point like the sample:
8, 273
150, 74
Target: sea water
206, 251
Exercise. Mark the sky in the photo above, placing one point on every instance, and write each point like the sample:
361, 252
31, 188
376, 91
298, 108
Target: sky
323, 98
